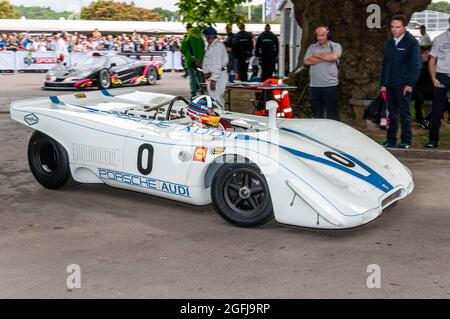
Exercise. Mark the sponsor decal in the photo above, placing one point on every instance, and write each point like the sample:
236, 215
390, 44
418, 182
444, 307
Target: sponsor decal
31, 119
218, 151
207, 132
145, 182
200, 154
80, 96
38, 60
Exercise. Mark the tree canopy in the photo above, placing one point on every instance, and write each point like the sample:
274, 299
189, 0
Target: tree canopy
40, 13
119, 11
440, 6
167, 14
210, 12
7, 11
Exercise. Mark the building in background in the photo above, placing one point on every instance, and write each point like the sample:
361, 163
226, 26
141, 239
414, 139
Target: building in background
272, 9
435, 22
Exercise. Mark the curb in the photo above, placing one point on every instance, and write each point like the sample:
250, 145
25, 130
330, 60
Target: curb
421, 154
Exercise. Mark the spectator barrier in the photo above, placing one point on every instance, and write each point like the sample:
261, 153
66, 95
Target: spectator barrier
7, 61
35, 61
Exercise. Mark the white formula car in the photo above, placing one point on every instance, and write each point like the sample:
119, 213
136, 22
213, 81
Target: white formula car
310, 173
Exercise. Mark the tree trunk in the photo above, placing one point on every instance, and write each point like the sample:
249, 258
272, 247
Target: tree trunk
363, 47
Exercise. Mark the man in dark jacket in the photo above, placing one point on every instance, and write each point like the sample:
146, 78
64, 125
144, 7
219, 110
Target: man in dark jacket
243, 52
229, 44
423, 90
267, 50
401, 69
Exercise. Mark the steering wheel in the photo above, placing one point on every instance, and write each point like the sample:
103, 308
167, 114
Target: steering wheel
172, 103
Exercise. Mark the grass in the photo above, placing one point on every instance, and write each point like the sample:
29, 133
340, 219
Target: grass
240, 102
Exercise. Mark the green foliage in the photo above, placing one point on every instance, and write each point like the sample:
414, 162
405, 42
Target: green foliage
209, 12
440, 6
117, 11
167, 14
256, 13
40, 13
7, 11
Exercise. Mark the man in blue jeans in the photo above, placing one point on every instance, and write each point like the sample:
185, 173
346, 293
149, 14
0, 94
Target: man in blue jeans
402, 66
440, 74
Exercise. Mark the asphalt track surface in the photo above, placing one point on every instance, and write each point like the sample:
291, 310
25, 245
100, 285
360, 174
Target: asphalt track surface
130, 245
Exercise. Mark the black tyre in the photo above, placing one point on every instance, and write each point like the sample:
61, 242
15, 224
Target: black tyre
240, 195
48, 161
104, 79
152, 75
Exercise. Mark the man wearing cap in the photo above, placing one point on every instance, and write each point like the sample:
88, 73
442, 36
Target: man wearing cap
193, 49
215, 66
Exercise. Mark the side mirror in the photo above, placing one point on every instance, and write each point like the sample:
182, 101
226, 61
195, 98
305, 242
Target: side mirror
113, 65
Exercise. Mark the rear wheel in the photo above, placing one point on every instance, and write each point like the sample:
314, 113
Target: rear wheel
104, 79
240, 194
48, 161
152, 75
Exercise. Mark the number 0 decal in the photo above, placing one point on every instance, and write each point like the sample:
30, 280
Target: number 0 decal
149, 164
340, 159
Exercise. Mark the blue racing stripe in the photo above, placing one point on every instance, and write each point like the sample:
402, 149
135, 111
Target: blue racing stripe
56, 100
374, 178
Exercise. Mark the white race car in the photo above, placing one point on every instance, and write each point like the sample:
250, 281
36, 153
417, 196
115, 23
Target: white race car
310, 173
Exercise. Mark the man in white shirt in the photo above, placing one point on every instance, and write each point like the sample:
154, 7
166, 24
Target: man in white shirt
215, 65
61, 48
439, 66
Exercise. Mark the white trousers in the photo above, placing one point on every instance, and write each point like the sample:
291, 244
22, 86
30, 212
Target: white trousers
221, 85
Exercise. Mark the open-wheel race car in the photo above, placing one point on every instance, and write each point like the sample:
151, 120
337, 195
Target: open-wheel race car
103, 70
310, 173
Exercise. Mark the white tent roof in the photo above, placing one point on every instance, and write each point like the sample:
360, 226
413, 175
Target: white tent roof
25, 25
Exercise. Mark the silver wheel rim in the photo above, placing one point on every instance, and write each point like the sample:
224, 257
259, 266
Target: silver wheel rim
105, 79
151, 77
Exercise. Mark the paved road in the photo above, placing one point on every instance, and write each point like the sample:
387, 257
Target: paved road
133, 245
21, 86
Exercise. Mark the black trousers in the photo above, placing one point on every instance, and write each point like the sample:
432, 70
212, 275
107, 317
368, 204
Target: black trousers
267, 68
419, 99
243, 69
399, 106
439, 106
324, 100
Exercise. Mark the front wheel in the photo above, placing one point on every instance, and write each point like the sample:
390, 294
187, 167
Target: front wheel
240, 194
49, 161
152, 75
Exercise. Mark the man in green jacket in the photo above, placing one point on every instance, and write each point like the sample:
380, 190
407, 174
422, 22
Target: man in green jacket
193, 49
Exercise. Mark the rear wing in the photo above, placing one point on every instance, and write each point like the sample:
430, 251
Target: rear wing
154, 56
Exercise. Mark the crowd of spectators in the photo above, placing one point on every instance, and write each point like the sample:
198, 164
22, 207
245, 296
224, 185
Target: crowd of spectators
96, 41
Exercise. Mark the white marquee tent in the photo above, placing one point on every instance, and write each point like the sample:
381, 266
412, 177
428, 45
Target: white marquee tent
35, 26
